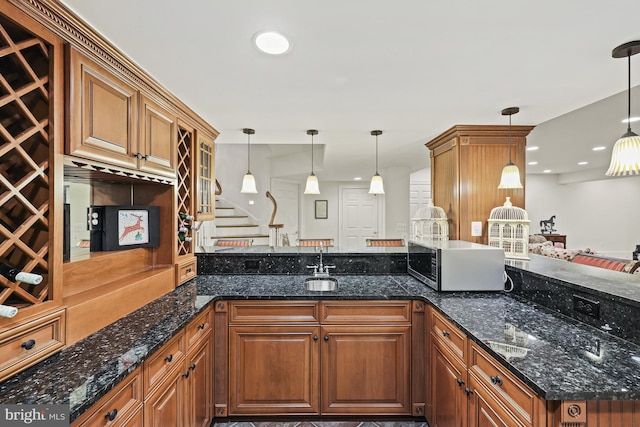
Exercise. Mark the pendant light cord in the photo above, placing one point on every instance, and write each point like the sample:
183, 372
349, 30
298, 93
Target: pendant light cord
312, 154
377, 155
510, 139
248, 153
629, 93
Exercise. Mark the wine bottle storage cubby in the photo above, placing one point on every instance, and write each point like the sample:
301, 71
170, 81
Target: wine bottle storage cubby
185, 141
24, 162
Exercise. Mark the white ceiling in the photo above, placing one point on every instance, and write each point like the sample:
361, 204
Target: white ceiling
412, 68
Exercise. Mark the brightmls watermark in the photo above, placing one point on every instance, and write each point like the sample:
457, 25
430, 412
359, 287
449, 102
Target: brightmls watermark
34, 415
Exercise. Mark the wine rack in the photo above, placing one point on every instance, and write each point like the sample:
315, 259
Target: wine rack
24, 162
185, 141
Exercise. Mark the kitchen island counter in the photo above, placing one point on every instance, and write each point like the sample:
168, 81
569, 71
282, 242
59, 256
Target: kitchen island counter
565, 359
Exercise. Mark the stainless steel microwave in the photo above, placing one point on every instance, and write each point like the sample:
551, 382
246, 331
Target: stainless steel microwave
456, 265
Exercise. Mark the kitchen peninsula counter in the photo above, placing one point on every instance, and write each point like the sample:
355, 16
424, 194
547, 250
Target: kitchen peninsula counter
565, 359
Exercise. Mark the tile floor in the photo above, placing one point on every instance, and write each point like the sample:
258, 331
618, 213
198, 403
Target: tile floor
323, 422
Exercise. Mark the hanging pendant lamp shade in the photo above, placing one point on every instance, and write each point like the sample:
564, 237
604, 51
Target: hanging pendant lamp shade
625, 158
248, 182
510, 173
377, 186
312, 186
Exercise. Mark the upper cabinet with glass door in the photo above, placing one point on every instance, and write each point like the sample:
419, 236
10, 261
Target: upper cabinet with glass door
205, 198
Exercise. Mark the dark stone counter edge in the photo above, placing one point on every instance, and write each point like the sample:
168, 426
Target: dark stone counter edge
76, 412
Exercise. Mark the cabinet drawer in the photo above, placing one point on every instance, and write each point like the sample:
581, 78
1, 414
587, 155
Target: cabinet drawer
273, 311
29, 343
515, 395
186, 271
355, 312
163, 361
198, 327
119, 403
448, 334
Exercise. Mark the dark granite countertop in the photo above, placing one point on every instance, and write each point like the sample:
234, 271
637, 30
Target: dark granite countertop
565, 359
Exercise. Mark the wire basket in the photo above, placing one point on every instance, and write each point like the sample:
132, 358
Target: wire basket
430, 223
509, 230
508, 351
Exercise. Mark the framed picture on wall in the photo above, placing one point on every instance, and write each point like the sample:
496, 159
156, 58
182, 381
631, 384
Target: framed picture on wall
321, 209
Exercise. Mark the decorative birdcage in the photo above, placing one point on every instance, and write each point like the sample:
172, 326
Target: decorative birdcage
509, 230
430, 223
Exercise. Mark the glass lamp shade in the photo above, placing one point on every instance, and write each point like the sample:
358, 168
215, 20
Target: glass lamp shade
510, 177
249, 184
312, 186
377, 186
625, 158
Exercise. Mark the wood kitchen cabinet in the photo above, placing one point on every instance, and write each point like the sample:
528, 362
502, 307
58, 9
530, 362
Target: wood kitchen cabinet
173, 387
157, 146
365, 370
484, 408
110, 121
103, 114
274, 369
328, 358
205, 161
466, 164
470, 388
448, 382
179, 386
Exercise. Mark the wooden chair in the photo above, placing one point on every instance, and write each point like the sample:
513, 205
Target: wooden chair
315, 242
385, 242
234, 242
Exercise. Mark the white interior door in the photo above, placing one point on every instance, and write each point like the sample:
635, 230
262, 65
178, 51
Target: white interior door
359, 217
419, 195
286, 195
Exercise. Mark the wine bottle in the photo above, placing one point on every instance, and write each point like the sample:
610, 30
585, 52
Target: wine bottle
186, 217
184, 238
16, 275
188, 226
183, 230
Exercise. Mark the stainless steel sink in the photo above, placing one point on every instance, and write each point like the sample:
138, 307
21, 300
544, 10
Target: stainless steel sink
321, 283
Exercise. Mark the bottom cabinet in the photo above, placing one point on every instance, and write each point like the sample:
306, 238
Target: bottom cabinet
274, 370
165, 406
448, 382
200, 385
365, 370
485, 410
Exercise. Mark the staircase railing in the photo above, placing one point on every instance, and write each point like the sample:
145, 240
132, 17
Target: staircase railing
272, 226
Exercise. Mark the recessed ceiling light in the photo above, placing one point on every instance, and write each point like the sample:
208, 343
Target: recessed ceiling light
532, 163
546, 171
271, 42
583, 163
357, 178
600, 148
631, 120
532, 148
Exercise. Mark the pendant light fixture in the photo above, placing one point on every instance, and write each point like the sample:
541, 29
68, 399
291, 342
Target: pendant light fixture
312, 180
377, 186
248, 182
625, 158
510, 174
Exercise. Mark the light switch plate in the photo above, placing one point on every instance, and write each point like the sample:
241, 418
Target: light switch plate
476, 228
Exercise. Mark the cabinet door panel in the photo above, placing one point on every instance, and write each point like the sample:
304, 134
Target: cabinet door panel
448, 380
158, 147
365, 370
102, 114
205, 199
485, 410
166, 405
200, 385
274, 369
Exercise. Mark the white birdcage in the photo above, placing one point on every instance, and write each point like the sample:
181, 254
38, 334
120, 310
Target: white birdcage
509, 230
430, 223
